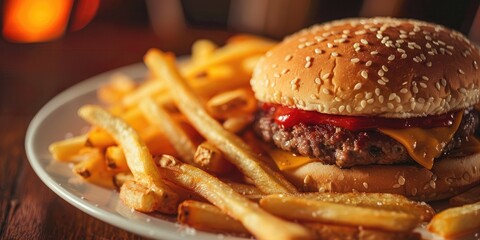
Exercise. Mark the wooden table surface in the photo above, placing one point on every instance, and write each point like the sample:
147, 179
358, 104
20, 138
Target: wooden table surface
32, 74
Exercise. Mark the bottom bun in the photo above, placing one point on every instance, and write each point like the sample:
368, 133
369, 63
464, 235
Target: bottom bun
447, 178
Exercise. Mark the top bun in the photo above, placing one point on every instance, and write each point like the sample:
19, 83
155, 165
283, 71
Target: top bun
387, 67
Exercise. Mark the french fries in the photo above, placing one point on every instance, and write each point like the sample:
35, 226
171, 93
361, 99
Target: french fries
456, 221
115, 159
229, 104
65, 150
303, 209
231, 202
231, 145
205, 216
159, 117
202, 49
156, 195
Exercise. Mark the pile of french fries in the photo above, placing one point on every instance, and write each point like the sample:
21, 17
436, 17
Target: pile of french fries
180, 143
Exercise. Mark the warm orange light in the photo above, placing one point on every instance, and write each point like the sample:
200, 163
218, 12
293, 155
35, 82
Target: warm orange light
84, 13
35, 20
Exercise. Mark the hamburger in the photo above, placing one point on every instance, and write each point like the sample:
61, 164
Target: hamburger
372, 105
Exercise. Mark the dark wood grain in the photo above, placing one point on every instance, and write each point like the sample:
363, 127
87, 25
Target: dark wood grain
32, 74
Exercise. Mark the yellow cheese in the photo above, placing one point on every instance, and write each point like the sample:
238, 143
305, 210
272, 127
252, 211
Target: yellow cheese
424, 145
287, 160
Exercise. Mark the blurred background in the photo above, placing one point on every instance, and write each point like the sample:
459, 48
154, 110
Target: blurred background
48, 45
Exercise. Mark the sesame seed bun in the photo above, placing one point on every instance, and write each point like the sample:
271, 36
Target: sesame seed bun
447, 178
385, 67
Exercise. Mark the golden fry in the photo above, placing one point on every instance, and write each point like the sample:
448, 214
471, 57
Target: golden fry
139, 160
206, 217
160, 118
260, 223
235, 103
115, 159
65, 150
456, 221
202, 49
237, 152
302, 209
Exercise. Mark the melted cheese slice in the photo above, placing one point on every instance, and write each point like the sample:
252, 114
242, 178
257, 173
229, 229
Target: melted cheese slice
424, 145
287, 160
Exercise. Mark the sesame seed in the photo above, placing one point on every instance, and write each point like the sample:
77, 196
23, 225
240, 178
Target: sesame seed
360, 32
381, 98
308, 58
429, 64
319, 39
400, 50
385, 79
428, 37
368, 63
384, 68
381, 82
404, 56
461, 71
432, 184
391, 57
428, 45
301, 46
462, 90
437, 85
357, 86
335, 54
475, 65
317, 80
364, 41
444, 82
365, 185
423, 57
415, 89
276, 75
318, 51
288, 58
401, 180
357, 49
326, 91
377, 91
284, 71
423, 85
390, 105
415, 60
363, 103
308, 44
450, 47
356, 45
364, 74
403, 90
374, 52
355, 60
308, 64
329, 45
381, 73
325, 76
425, 78
391, 96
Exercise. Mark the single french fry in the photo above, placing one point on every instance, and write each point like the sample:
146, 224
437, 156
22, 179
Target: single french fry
468, 197
202, 49
302, 209
65, 150
237, 124
385, 201
238, 102
207, 217
333, 231
244, 189
210, 158
138, 157
93, 168
115, 159
260, 223
236, 151
456, 221
160, 118
99, 138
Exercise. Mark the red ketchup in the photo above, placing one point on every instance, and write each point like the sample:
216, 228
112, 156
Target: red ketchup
287, 117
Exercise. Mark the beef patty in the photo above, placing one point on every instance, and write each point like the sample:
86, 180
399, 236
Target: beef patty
335, 145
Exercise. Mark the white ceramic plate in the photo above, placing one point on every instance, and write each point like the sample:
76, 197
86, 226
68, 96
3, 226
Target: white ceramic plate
58, 119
